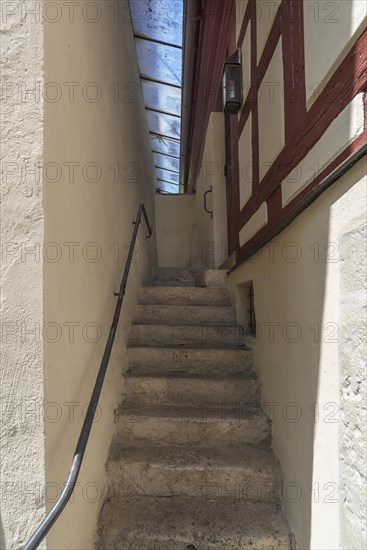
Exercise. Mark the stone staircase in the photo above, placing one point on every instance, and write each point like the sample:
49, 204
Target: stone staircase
191, 467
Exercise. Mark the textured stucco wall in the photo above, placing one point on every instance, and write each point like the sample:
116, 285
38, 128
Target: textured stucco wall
353, 396
100, 167
312, 383
22, 459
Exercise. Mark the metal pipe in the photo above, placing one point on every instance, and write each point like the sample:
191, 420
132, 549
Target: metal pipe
76, 463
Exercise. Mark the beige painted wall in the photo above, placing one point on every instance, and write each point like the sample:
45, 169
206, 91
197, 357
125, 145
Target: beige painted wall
213, 246
331, 28
176, 231
97, 128
299, 358
22, 452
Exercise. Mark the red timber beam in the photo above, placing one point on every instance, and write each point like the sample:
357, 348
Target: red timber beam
347, 81
303, 128
218, 17
286, 215
293, 47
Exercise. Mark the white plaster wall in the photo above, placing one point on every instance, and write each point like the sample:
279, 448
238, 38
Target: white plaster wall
22, 459
257, 221
298, 358
341, 132
245, 162
212, 232
241, 6
220, 230
331, 28
265, 15
176, 230
246, 66
102, 123
271, 112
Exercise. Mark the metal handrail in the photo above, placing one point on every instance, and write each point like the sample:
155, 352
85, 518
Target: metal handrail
76, 463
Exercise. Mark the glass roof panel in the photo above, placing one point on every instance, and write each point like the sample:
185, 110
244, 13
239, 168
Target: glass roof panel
159, 62
165, 161
164, 125
168, 187
162, 97
166, 175
158, 27
158, 19
165, 145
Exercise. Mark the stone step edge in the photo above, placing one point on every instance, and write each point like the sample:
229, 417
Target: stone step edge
245, 376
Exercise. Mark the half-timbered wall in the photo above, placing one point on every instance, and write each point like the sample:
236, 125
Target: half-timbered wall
304, 114
304, 73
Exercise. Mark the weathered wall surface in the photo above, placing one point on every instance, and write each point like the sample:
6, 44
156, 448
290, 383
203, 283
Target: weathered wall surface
22, 457
308, 355
176, 231
353, 395
99, 167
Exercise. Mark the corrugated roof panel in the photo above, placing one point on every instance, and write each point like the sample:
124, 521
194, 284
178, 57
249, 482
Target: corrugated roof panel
157, 26
166, 175
165, 161
158, 19
164, 125
161, 97
159, 62
168, 187
165, 145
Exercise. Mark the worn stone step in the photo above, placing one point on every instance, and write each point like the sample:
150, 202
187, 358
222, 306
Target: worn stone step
143, 523
221, 334
178, 276
200, 359
243, 472
185, 315
216, 278
212, 423
192, 389
176, 283
181, 296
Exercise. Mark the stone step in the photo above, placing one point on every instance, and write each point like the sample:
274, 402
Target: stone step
185, 315
200, 359
216, 278
174, 335
212, 423
143, 523
192, 389
178, 276
176, 283
244, 472
181, 296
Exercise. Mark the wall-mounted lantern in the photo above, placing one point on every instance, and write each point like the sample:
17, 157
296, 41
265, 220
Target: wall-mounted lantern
232, 83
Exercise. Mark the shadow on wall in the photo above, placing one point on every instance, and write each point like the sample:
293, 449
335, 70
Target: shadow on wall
300, 349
